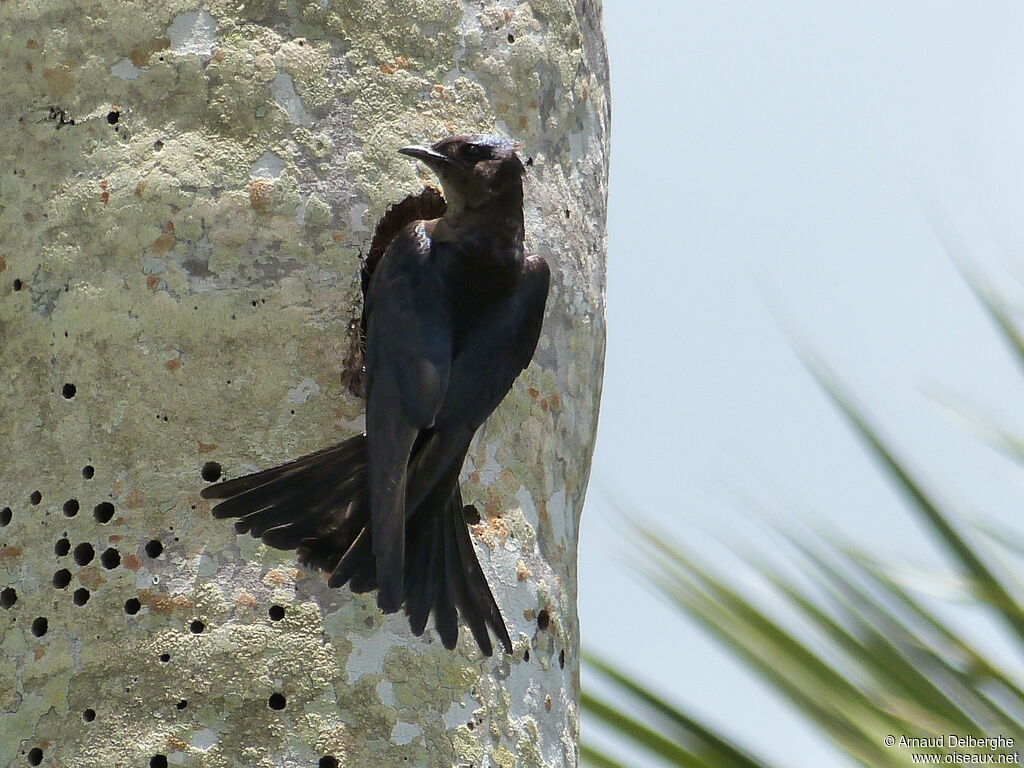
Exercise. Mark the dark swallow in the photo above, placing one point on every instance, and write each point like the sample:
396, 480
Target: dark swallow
453, 311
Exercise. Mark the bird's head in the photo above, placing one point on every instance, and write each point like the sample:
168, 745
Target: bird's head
475, 171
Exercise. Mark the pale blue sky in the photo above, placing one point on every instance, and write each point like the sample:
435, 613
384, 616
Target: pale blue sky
777, 159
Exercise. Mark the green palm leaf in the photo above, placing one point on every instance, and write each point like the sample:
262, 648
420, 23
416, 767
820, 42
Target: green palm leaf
850, 645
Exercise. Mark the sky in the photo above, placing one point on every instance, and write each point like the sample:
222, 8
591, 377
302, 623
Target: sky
810, 166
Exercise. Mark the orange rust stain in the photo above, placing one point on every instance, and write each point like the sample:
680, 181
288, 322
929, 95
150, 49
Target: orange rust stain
492, 504
59, 80
173, 365
39, 653
3, 264
131, 562
544, 405
164, 243
533, 392
141, 52
151, 281
140, 188
556, 401
161, 603
260, 192
474, 476
206, 447
337, 236
31, 44
533, 105
387, 69
524, 122
134, 499
29, 216
28, 66
9, 554
402, 62
115, 538
522, 572
90, 577
245, 598
547, 702
276, 577
542, 511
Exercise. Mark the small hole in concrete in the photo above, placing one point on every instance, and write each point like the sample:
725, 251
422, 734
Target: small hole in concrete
62, 547
35, 497
110, 558
561, 658
5, 516
62, 578
543, 619
276, 701
328, 761
211, 471
113, 116
8, 597
17, 284
154, 548
39, 626
158, 145
276, 612
103, 512
511, 38
197, 627
88, 471
181, 704
472, 514
70, 507
81, 596
84, 553
89, 715
132, 606
35, 756
158, 761
68, 391
165, 657
526, 655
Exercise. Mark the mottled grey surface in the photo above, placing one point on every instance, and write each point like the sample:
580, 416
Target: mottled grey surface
184, 193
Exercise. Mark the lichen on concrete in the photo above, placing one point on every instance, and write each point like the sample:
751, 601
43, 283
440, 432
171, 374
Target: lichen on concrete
186, 190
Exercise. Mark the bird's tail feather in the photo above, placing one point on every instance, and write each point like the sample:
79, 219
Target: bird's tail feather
318, 504
442, 573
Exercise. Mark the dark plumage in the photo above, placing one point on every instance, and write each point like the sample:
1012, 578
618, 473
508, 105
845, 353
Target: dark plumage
452, 314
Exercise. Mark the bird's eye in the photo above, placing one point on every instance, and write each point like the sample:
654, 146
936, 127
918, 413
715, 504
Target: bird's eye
474, 153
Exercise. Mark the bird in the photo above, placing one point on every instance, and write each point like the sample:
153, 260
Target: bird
453, 312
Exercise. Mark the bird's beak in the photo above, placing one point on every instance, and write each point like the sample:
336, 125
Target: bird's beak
426, 154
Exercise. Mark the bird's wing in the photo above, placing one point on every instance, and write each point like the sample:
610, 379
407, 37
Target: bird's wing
408, 357
488, 362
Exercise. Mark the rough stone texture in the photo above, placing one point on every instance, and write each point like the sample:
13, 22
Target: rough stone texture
184, 194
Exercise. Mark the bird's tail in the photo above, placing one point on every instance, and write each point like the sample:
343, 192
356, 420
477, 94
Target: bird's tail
318, 504
443, 574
